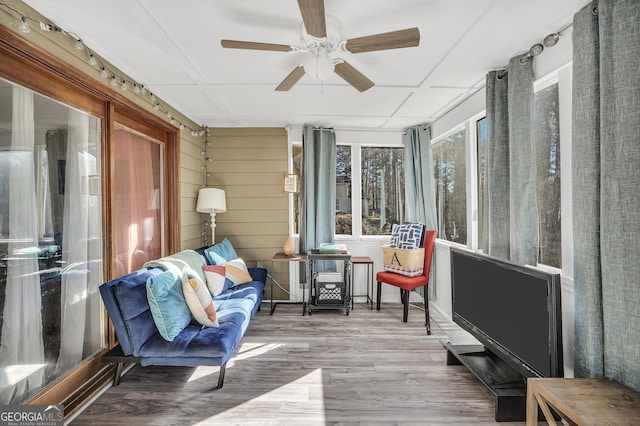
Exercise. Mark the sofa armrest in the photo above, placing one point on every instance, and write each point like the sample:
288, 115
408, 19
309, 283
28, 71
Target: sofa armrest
258, 274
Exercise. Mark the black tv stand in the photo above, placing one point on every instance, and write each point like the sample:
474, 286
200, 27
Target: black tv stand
507, 385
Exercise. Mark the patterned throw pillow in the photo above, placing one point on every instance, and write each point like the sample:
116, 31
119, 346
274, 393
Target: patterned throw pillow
227, 275
407, 235
167, 303
198, 298
220, 253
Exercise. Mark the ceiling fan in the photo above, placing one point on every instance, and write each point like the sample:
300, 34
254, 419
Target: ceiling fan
324, 48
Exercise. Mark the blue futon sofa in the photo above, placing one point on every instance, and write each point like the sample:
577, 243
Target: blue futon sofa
140, 341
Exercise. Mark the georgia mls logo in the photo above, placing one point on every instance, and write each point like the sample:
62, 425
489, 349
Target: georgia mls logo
32, 415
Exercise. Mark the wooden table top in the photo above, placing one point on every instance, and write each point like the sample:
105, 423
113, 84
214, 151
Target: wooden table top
295, 257
590, 401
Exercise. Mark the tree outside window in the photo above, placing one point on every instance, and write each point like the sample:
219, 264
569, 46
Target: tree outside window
547, 140
481, 142
343, 190
382, 189
451, 193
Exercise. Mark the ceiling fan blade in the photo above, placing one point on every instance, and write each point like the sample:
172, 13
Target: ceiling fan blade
352, 76
313, 17
384, 41
252, 45
290, 80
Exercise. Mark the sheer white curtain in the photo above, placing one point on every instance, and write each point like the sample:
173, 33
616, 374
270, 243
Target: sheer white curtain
22, 350
81, 239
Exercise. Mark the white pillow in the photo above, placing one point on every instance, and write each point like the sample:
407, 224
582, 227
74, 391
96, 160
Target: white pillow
198, 298
229, 274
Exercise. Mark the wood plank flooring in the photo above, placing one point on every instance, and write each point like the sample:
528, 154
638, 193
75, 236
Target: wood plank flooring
327, 368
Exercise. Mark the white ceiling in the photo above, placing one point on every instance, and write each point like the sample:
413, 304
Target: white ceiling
173, 47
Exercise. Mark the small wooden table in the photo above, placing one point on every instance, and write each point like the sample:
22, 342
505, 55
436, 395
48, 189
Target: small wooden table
281, 257
582, 401
363, 260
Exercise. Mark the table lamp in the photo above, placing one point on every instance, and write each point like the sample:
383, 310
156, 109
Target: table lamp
212, 201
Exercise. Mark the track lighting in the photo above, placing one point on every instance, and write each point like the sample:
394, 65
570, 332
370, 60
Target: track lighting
124, 86
92, 60
114, 82
79, 44
104, 73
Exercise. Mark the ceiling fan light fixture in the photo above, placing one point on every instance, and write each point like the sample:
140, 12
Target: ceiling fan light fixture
319, 65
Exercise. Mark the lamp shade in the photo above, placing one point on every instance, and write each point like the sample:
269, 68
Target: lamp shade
211, 200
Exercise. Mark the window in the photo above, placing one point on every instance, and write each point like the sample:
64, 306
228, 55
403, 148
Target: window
344, 220
382, 189
296, 153
547, 140
138, 208
451, 194
55, 139
50, 241
481, 142
381, 185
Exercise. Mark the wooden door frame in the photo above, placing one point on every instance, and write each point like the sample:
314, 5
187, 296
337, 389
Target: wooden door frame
27, 64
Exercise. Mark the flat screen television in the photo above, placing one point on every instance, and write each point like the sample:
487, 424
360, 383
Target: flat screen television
512, 309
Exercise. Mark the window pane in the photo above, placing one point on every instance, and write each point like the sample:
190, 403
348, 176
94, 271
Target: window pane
50, 241
138, 207
343, 190
382, 189
481, 135
296, 151
547, 134
451, 192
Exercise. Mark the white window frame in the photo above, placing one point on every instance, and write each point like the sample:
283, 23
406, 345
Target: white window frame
356, 139
472, 234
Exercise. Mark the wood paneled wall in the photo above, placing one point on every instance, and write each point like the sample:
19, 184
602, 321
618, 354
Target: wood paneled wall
249, 163
191, 180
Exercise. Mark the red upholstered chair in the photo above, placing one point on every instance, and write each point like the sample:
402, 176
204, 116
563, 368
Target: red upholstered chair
407, 284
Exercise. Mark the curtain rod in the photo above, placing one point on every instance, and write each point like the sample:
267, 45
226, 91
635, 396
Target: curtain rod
549, 41
350, 129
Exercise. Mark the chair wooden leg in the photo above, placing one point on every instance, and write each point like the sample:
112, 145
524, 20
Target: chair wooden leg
426, 310
379, 292
405, 303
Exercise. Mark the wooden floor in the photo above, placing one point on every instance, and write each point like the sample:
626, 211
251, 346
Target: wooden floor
327, 368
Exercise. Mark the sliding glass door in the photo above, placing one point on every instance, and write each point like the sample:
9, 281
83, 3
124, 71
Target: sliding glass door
138, 205
50, 241
89, 189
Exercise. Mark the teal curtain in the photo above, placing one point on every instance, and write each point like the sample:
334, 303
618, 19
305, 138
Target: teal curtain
495, 241
523, 208
606, 200
419, 192
511, 208
318, 215
420, 199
